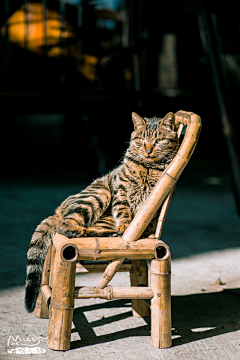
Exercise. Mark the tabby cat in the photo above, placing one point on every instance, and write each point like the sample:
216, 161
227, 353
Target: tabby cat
107, 206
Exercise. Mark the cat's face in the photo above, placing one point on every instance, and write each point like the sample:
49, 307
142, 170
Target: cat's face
154, 139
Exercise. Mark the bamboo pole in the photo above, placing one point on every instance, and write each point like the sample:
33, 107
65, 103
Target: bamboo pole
110, 271
180, 129
165, 183
41, 308
62, 304
105, 248
110, 292
114, 265
53, 253
99, 268
148, 303
163, 214
161, 324
139, 277
167, 201
46, 293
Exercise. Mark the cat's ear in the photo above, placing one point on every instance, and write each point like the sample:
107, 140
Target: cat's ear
138, 122
169, 120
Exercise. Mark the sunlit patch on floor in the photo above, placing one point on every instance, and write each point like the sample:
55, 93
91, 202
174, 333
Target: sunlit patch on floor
175, 336
203, 329
75, 335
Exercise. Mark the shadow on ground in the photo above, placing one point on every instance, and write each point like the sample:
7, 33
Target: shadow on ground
195, 317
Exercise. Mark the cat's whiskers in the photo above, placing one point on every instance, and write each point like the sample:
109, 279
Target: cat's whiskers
135, 157
163, 157
138, 157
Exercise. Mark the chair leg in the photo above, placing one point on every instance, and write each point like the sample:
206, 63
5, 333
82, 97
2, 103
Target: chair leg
161, 323
139, 276
62, 304
41, 309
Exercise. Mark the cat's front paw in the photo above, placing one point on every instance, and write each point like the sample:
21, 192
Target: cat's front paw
122, 228
152, 236
71, 229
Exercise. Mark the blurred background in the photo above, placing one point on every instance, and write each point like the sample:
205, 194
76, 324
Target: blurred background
71, 74
72, 71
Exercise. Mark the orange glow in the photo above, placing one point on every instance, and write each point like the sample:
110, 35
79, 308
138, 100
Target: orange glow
26, 29
88, 69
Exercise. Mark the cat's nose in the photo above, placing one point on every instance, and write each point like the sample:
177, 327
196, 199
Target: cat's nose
149, 150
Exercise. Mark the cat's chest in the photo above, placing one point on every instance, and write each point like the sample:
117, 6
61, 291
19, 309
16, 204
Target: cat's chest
147, 178
141, 187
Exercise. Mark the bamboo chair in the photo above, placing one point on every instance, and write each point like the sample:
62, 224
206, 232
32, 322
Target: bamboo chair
58, 291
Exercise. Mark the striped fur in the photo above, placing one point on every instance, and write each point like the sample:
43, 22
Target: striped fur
107, 206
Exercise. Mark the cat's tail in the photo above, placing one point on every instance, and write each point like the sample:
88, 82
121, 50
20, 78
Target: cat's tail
36, 254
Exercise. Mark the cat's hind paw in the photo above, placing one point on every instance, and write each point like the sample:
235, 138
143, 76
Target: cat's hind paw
70, 229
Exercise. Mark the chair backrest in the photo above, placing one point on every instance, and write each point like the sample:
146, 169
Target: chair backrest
167, 201
163, 187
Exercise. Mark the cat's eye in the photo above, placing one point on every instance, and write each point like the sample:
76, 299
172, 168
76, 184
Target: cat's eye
141, 140
162, 141
165, 141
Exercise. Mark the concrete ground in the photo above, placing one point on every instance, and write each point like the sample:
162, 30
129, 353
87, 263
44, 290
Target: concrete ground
202, 230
